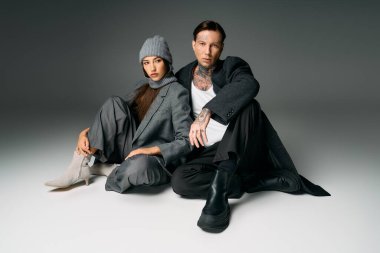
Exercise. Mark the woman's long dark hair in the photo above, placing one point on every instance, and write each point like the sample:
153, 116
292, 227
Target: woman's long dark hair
145, 96
143, 100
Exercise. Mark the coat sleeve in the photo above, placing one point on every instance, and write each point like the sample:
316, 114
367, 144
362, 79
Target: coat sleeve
180, 109
240, 88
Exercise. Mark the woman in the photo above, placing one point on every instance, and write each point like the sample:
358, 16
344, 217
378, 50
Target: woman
147, 135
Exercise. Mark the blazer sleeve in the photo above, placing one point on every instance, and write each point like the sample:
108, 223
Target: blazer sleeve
240, 88
180, 109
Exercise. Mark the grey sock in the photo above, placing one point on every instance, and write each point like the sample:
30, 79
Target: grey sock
102, 169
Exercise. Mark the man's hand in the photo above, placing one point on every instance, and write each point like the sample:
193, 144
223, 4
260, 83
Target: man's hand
83, 145
197, 133
146, 151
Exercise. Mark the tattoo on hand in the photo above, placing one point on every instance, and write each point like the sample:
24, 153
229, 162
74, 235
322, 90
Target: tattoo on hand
202, 116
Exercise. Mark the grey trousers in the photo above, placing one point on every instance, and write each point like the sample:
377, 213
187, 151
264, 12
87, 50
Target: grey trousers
137, 170
111, 133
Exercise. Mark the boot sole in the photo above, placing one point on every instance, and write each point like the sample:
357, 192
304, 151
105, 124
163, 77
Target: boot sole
214, 223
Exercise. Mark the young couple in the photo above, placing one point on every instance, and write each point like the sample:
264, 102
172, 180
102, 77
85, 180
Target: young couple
201, 129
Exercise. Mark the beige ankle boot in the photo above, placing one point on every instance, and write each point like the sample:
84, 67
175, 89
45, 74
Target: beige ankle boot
77, 171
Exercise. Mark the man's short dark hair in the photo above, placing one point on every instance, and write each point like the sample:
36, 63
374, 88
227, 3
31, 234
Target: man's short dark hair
209, 25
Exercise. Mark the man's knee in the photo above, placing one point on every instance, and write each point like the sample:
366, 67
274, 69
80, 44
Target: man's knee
179, 184
252, 108
192, 181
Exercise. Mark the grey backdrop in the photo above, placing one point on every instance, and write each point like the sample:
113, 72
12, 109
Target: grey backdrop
317, 63
68, 56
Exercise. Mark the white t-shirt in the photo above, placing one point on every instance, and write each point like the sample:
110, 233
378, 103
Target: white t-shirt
200, 98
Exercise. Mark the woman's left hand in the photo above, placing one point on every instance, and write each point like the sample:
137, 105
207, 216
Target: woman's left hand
145, 151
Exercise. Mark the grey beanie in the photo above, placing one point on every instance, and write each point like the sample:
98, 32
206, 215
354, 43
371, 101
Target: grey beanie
156, 46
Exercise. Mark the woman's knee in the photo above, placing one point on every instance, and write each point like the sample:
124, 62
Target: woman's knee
111, 101
115, 102
144, 170
136, 166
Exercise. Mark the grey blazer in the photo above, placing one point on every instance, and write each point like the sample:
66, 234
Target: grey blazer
166, 125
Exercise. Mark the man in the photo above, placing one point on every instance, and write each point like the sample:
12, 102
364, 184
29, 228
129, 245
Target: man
237, 149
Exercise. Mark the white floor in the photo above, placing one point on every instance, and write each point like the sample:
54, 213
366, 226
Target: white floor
339, 154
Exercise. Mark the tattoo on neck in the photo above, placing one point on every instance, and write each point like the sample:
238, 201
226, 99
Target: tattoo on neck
202, 78
204, 72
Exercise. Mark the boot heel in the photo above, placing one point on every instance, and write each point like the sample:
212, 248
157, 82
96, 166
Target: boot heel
85, 174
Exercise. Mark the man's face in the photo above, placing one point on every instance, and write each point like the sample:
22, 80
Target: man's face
208, 47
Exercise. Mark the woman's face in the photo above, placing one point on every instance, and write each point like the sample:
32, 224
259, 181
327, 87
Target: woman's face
155, 67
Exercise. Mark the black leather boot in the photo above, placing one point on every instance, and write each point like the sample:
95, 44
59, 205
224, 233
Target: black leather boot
281, 183
268, 184
215, 215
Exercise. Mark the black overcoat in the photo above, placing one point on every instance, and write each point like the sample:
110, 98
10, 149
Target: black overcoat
236, 87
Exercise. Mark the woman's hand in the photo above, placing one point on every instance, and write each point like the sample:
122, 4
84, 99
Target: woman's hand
197, 133
83, 144
145, 151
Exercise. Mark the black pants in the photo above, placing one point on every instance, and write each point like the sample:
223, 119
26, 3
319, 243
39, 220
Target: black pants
251, 139
193, 179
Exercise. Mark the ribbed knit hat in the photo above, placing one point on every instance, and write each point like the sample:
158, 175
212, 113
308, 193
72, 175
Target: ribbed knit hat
156, 46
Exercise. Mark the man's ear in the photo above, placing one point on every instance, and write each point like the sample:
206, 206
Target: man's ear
193, 44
